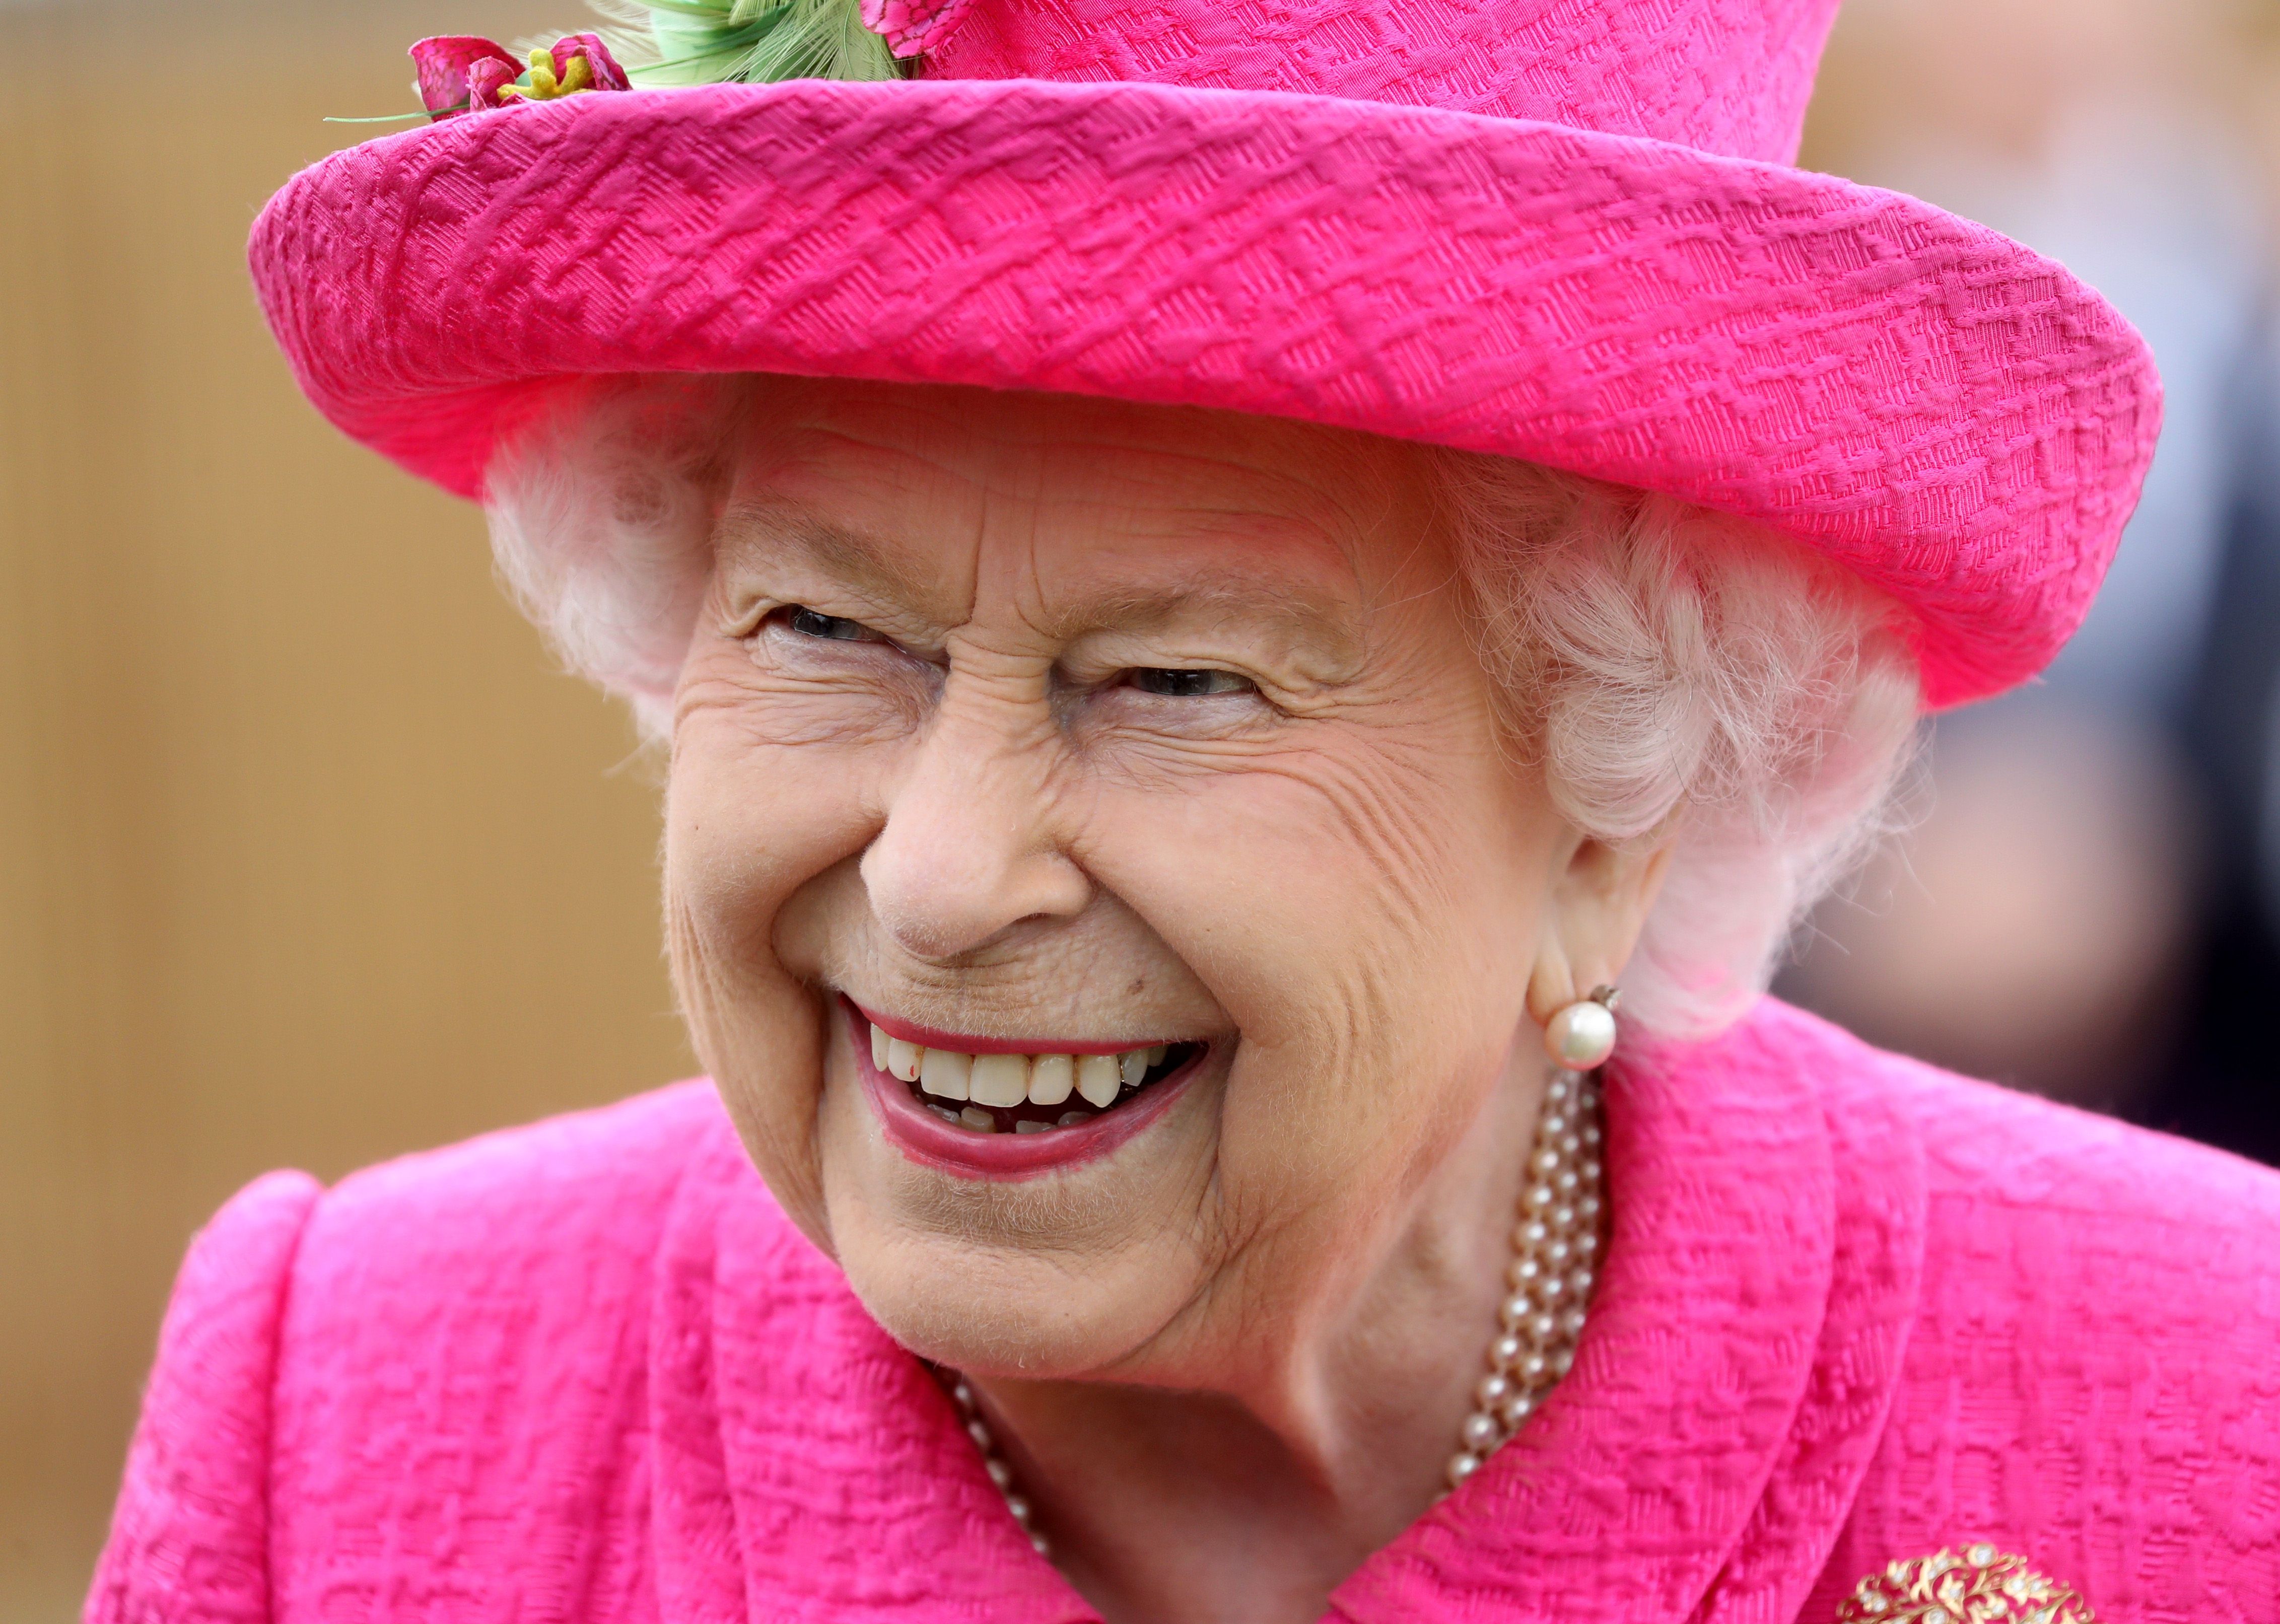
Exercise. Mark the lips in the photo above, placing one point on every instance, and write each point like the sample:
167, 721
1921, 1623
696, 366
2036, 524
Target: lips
988, 1108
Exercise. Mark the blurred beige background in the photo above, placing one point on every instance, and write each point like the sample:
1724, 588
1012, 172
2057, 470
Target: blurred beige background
307, 856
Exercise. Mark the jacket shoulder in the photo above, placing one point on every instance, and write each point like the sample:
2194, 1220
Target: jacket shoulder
189, 1533
588, 1184
461, 1406
1995, 1158
2091, 1375
430, 1374
513, 1263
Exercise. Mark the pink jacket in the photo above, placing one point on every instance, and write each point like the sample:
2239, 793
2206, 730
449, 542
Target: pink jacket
1855, 1311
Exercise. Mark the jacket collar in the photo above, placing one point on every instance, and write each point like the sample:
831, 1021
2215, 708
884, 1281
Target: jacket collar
1698, 1463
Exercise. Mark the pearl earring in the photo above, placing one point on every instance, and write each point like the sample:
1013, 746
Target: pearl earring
1581, 1038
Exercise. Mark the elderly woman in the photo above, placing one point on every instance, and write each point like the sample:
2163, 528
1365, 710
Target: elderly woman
1216, 580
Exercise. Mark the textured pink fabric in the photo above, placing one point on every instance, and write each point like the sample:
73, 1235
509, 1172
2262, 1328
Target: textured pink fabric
1728, 76
1554, 230
1855, 1311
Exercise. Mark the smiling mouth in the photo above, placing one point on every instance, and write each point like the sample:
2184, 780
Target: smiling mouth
991, 1090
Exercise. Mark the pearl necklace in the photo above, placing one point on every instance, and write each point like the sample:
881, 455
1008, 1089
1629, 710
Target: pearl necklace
1555, 1245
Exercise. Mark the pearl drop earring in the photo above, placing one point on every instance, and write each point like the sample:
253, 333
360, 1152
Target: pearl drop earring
1580, 1036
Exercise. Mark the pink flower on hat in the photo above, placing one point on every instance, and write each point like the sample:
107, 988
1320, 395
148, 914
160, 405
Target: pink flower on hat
912, 28
464, 72
447, 65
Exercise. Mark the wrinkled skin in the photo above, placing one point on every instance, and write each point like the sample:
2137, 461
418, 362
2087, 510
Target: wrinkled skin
1228, 1360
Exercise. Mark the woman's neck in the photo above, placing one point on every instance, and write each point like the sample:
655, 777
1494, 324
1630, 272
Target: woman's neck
1245, 1483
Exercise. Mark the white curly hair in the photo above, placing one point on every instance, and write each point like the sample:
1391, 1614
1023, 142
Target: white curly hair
1659, 661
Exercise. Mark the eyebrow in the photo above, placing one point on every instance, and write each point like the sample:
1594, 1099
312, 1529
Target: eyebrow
1307, 621
870, 563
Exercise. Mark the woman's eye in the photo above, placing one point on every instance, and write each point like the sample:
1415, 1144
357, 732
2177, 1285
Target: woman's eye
809, 623
1186, 684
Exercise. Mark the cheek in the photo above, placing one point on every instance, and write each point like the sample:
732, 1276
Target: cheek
1367, 919
771, 784
749, 827
1300, 886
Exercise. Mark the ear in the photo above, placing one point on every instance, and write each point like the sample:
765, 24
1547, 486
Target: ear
1600, 898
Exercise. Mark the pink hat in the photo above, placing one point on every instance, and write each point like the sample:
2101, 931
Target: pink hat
1562, 230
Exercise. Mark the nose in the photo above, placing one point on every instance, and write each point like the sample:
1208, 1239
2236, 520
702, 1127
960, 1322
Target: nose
968, 848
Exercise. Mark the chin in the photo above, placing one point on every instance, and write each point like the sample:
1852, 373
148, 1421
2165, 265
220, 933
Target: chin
1034, 1330
991, 1303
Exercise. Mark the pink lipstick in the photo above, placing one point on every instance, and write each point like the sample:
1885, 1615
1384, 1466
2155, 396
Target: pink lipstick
1017, 1143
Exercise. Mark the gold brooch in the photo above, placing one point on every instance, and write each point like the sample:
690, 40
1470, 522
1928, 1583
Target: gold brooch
1981, 1586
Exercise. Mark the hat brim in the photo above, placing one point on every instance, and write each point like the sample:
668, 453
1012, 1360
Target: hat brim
1956, 418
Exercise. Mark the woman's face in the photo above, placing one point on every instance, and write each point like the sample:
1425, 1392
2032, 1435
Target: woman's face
1072, 728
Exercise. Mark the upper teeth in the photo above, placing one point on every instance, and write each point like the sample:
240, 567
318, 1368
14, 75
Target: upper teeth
1007, 1080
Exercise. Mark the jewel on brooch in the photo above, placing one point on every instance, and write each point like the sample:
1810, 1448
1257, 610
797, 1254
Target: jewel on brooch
464, 72
1979, 1585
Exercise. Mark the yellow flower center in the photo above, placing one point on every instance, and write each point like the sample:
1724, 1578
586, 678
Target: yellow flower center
544, 87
